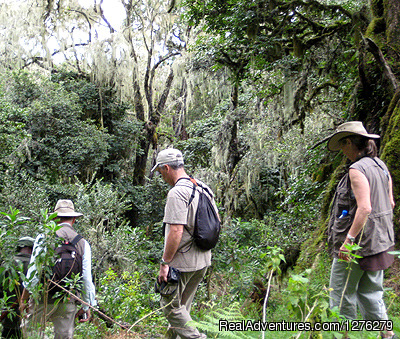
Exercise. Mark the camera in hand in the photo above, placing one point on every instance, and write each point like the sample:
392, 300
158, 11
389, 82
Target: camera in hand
83, 316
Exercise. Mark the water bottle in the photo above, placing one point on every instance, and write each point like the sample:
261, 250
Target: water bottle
344, 213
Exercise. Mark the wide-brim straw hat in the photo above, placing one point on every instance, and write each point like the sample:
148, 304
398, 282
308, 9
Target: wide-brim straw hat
65, 208
345, 130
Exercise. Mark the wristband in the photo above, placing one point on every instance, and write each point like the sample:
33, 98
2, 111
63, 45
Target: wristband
352, 239
163, 262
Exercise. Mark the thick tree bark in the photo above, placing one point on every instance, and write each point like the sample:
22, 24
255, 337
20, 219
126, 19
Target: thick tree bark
392, 18
149, 135
391, 122
139, 173
145, 95
179, 116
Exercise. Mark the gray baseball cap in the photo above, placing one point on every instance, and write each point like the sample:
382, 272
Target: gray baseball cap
168, 156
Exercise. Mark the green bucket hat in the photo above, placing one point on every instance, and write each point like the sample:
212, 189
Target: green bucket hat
25, 242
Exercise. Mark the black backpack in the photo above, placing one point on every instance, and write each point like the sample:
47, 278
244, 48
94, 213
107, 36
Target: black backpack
207, 224
68, 263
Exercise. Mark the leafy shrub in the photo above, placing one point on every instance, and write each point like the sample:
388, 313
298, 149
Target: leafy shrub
24, 193
147, 202
197, 148
123, 298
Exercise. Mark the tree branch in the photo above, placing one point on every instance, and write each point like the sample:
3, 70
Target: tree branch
112, 30
88, 21
37, 60
159, 62
379, 57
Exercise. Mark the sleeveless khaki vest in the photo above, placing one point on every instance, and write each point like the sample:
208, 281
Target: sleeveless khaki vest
378, 234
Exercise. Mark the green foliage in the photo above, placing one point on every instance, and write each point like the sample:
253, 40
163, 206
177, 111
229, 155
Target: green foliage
123, 143
75, 128
102, 205
12, 131
147, 201
13, 136
391, 158
91, 330
63, 143
87, 92
21, 87
97, 102
123, 298
109, 114
44, 260
211, 324
197, 149
303, 304
12, 227
258, 32
246, 253
275, 257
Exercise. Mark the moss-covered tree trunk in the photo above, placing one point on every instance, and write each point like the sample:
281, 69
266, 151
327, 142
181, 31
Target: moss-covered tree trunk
378, 94
390, 48
376, 102
376, 99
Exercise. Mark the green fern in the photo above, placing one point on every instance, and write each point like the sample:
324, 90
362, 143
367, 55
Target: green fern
211, 323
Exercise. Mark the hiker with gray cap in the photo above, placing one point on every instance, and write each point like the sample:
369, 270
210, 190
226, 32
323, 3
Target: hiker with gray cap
11, 317
362, 213
61, 312
180, 251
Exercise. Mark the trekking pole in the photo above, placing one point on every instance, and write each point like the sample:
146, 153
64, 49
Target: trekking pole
127, 327
90, 306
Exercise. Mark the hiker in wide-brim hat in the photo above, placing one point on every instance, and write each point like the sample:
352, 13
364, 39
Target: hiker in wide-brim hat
65, 208
49, 306
362, 214
348, 129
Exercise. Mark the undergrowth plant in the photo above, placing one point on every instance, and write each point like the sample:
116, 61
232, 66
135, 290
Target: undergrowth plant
122, 297
224, 322
11, 227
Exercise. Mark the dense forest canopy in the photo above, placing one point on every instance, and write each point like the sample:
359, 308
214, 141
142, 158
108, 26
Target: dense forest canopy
248, 90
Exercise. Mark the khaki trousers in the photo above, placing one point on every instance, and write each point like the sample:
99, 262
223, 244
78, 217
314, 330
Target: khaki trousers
178, 312
364, 289
61, 314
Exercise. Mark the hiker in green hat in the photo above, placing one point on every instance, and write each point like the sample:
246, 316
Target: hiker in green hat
10, 318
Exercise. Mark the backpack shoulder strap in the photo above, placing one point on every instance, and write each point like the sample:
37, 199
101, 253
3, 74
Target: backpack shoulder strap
76, 239
384, 171
194, 190
204, 188
194, 187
